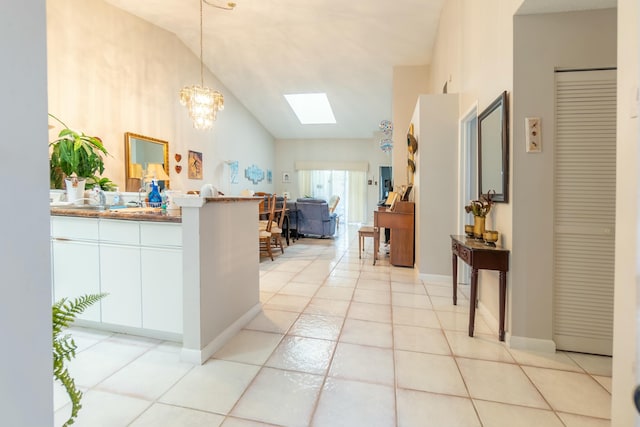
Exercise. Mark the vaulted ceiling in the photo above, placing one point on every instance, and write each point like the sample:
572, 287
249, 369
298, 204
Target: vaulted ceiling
262, 50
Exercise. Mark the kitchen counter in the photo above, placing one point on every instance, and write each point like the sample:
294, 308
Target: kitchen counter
126, 214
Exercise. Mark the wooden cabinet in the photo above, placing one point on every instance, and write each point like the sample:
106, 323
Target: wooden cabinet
401, 223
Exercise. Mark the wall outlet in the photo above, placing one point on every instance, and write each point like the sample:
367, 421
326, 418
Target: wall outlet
533, 134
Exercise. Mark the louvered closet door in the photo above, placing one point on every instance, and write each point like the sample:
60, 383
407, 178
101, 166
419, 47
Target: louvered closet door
584, 213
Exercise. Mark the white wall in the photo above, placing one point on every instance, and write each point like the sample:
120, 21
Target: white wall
111, 72
288, 151
436, 182
627, 268
25, 307
568, 40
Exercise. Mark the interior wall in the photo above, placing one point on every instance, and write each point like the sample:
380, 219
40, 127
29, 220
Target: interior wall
111, 72
473, 54
627, 267
436, 130
567, 41
26, 370
288, 151
408, 83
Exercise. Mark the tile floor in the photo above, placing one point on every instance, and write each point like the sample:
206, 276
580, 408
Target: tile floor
340, 342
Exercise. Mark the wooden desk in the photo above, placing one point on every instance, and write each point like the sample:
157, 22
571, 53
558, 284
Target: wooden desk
401, 223
479, 256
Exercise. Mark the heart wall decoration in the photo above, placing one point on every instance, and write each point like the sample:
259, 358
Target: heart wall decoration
178, 157
178, 168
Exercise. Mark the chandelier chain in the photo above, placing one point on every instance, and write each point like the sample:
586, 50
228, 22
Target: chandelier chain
201, 60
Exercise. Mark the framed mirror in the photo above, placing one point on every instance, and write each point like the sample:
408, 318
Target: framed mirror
493, 150
145, 158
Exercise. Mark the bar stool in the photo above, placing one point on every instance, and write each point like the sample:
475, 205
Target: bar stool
366, 231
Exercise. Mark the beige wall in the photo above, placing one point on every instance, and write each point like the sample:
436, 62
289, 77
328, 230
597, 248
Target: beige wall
408, 84
474, 55
111, 72
627, 269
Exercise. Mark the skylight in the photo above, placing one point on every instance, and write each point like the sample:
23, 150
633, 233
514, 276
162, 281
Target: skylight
311, 108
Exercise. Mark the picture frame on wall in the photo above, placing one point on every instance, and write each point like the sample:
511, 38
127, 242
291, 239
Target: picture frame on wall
286, 177
195, 165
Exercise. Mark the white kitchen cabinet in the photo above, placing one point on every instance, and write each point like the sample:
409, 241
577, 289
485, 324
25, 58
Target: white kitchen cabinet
120, 276
138, 263
75, 272
162, 288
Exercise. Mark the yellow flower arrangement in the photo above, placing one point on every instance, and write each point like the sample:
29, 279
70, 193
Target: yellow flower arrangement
481, 207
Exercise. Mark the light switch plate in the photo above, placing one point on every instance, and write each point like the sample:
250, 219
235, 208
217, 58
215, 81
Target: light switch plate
533, 134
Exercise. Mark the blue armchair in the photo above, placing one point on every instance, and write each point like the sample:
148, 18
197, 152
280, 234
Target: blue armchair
314, 217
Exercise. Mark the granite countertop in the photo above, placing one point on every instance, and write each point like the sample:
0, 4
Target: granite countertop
126, 214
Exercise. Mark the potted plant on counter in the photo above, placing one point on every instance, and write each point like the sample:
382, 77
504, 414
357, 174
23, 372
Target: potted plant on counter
78, 160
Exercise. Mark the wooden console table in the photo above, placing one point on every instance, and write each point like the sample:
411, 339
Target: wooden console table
479, 256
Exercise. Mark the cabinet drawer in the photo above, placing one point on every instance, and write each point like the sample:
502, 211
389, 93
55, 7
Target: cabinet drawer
464, 254
74, 228
127, 232
160, 234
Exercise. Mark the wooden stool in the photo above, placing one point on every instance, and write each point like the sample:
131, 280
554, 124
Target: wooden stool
362, 233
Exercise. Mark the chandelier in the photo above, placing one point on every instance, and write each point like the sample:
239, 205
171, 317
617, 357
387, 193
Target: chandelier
203, 103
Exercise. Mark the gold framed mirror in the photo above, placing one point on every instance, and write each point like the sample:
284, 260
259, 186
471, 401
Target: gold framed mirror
145, 158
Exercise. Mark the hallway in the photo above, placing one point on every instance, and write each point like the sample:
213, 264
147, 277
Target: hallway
340, 342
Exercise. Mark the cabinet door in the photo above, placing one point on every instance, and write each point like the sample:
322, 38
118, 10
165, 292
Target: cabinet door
120, 278
162, 289
76, 272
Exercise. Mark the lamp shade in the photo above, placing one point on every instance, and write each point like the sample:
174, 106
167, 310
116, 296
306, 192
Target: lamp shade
135, 170
156, 170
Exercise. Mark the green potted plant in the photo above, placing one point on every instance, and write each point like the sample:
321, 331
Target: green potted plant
78, 159
64, 348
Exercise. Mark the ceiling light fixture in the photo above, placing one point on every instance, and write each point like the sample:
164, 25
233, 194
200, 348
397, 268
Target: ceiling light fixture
203, 103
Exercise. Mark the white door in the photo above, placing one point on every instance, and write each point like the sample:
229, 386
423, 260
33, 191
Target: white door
584, 210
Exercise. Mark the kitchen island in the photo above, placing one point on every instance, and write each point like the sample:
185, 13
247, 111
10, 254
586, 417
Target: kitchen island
190, 277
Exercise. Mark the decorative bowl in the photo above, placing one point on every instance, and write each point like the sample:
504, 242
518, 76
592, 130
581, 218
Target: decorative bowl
490, 237
468, 229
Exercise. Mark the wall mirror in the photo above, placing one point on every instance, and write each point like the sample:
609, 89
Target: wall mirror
145, 158
493, 150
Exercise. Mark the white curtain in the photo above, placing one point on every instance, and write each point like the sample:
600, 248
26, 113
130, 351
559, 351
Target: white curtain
350, 186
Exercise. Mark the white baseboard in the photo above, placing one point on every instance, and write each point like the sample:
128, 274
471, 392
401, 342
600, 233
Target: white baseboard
198, 357
533, 344
437, 279
129, 330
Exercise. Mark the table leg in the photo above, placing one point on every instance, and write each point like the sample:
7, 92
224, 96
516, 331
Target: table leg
285, 228
472, 302
359, 245
454, 261
503, 295
376, 243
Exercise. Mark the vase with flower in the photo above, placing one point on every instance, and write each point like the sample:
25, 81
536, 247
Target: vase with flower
480, 209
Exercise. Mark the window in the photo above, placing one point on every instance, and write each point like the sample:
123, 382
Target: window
350, 186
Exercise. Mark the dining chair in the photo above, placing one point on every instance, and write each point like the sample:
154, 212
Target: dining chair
276, 227
264, 231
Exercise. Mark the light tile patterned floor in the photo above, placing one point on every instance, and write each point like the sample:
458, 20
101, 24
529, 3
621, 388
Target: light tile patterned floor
340, 342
